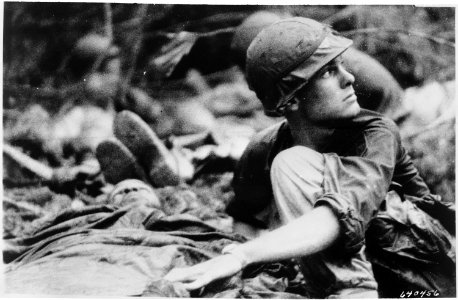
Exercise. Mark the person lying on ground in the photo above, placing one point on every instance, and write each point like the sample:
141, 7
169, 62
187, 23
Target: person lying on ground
136, 151
316, 179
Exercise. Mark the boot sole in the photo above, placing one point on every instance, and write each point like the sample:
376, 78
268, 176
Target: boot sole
144, 144
117, 162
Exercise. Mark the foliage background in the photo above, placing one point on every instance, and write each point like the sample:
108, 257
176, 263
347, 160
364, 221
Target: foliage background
415, 43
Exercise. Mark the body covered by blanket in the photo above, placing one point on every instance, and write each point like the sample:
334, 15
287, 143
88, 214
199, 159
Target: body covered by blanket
106, 250
109, 251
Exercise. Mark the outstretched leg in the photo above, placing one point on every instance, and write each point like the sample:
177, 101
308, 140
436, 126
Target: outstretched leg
162, 167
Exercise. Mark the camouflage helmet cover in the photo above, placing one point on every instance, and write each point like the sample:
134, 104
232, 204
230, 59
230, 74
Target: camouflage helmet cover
285, 55
249, 29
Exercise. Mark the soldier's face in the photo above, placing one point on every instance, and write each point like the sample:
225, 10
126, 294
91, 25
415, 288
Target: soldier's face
329, 96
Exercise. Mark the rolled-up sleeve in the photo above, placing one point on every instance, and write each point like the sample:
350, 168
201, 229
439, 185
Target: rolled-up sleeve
355, 186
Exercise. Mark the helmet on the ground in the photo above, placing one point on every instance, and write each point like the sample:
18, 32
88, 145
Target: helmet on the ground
285, 55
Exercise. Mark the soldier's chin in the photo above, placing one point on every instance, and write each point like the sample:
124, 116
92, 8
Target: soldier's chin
354, 110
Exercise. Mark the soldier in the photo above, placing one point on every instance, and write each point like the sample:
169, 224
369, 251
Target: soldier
374, 85
324, 170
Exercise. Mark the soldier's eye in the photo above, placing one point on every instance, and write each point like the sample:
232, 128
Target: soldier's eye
326, 74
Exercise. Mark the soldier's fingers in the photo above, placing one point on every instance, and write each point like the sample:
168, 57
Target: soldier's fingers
197, 284
181, 274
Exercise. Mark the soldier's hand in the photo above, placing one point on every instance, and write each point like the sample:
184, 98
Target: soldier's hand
199, 275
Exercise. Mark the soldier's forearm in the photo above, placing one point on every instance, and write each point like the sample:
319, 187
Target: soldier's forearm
306, 235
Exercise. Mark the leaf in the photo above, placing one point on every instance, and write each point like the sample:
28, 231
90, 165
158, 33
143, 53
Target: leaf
171, 53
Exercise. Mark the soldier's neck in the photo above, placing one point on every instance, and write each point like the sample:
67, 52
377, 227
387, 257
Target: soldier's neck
310, 135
